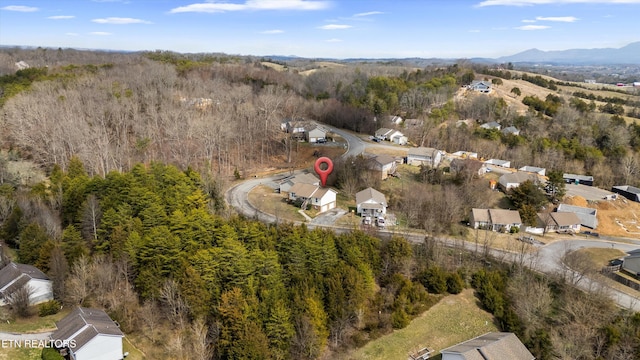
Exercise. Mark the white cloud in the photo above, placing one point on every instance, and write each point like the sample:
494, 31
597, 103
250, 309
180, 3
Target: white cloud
568, 19
532, 27
100, 33
333, 40
20, 8
276, 31
528, 21
334, 27
368, 13
542, 2
120, 21
255, 5
61, 17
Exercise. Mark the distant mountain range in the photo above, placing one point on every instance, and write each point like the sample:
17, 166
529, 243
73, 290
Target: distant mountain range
629, 54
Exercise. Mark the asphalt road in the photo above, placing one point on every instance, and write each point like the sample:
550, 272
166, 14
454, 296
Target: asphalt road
547, 260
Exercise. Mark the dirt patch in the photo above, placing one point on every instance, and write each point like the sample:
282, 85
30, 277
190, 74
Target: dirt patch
619, 217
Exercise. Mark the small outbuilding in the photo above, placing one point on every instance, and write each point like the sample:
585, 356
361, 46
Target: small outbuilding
630, 192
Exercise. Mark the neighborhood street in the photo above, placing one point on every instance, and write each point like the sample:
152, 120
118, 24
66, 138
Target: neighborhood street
547, 260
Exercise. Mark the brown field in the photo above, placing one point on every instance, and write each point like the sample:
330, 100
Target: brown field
615, 217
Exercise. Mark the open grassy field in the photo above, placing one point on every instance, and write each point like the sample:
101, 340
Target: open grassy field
454, 319
264, 198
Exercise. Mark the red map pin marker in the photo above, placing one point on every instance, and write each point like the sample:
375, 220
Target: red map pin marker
323, 173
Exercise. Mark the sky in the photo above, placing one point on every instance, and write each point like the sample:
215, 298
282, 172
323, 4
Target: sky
323, 28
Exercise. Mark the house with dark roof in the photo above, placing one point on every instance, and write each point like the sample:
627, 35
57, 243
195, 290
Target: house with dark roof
468, 167
588, 216
578, 179
89, 334
630, 192
371, 202
490, 346
15, 276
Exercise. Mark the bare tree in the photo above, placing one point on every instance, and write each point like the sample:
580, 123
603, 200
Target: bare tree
19, 300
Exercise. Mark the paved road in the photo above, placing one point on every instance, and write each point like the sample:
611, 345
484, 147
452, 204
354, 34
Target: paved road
547, 260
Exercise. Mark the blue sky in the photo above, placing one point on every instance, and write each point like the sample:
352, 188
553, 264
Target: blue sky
319, 28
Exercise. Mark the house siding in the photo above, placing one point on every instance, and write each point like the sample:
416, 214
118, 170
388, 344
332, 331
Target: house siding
101, 347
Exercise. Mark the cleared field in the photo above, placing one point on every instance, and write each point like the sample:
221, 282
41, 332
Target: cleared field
619, 217
454, 319
264, 198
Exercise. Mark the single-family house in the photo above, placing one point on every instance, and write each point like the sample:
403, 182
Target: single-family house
513, 180
383, 133
534, 169
394, 119
304, 178
392, 135
316, 134
383, 166
371, 202
480, 86
561, 222
15, 276
498, 162
631, 263
88, 334
491, 126
510, 130
424, 156
490, 346
630, 192
467, 168
578, 179
320, 198
588, 216
495, 219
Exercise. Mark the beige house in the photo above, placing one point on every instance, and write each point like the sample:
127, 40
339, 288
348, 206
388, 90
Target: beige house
500, 220
424, 156
371, 202
383, 166
320, 198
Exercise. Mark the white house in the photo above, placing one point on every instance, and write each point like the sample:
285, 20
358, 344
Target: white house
480, 86
490, 346
510, 130
534, 169
491, 125
498, 162
316, 134
396, 120
392, 135
513, 180
322, 199
424, 156
89, 334
14, 276
305, 178
371, 202
588, 216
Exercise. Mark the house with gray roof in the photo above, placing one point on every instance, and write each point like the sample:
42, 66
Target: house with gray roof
631, 263
513, 180
534, 169
498, 162
587, 216
15, 276
480, 86
371, 202
304, 178
383, 166
89, 334
510, 130
424, 156
500, 220
630, 192
493, 125
490, 346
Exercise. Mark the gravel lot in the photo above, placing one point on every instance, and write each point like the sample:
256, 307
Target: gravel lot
587, 192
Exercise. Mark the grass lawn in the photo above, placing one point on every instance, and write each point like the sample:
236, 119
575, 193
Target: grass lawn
265, 199
600, 257
454, 319
134, 353
20, 353
34, 323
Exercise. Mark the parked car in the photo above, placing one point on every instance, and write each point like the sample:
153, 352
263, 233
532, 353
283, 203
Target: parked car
380, 222
321, 141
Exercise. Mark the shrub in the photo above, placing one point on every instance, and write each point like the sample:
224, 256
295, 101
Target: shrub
48, 308
400, 319
51, 354
455, 284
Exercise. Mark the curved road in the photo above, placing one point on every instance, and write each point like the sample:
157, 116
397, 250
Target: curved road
547, 260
